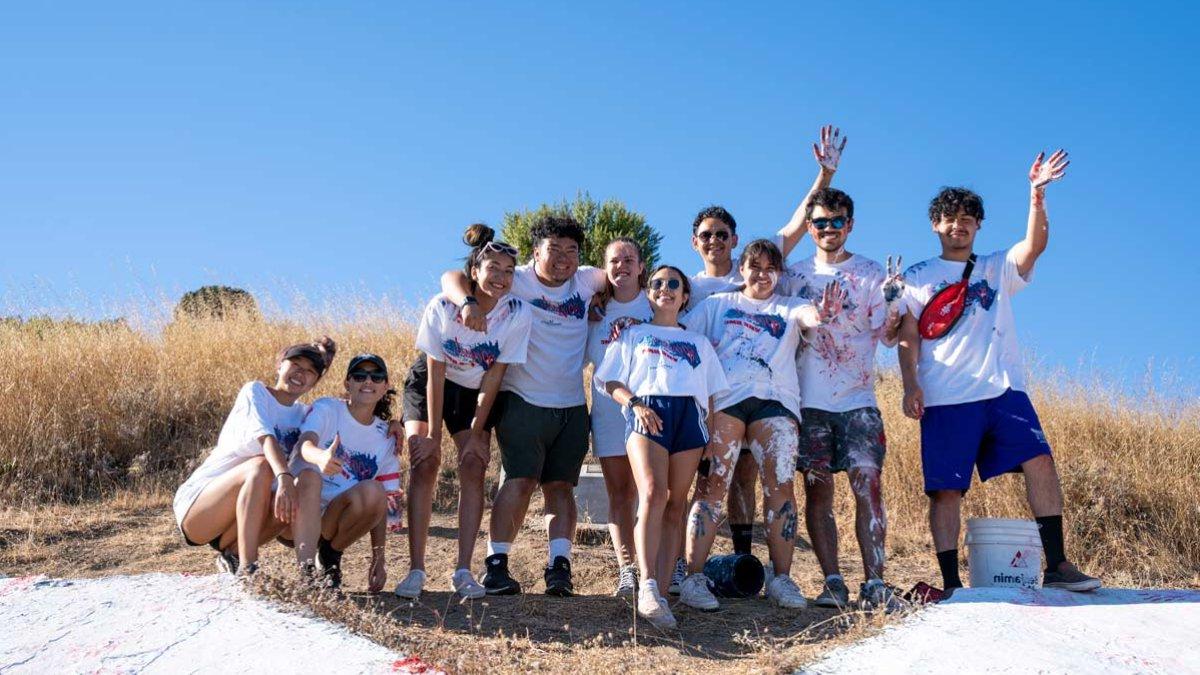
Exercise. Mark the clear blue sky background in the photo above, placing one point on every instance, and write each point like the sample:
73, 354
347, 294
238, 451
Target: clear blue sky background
154, 147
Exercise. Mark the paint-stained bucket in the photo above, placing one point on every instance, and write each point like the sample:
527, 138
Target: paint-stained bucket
737, 575
1004, 552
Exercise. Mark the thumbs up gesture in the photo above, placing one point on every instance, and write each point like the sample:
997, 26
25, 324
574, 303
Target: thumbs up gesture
329, 463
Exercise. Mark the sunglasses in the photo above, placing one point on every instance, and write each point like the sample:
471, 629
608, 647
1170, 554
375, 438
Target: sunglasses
500, 247
669, 284
822, 223
362, 375
721, 235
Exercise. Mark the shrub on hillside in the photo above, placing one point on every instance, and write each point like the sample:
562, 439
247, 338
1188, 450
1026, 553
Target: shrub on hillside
217, 303
601, 221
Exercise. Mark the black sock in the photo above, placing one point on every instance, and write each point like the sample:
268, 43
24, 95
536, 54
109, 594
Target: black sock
948, 561
743, 534
330, 556
1051, 531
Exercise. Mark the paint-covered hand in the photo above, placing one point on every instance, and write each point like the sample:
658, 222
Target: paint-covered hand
377, 577
828, 152
473, 317
330, 462
286, 504
832, 300
421, 448
1045, 171
914, 403
893, 283
648, 419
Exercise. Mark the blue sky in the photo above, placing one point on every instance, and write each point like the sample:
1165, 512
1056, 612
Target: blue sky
155, 147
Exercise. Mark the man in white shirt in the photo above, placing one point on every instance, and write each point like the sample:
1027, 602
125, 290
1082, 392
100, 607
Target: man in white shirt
963, 376
543, 420
841, 428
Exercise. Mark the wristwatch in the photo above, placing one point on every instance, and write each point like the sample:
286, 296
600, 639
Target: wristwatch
470, 300
634, 400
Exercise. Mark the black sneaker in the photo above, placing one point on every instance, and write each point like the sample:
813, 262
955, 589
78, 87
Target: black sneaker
496, 579
558, 578
330, 562
1068, 578
227, 562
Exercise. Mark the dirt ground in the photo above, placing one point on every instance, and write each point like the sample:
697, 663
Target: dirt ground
135, 533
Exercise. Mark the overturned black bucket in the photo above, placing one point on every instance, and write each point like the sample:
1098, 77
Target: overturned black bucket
737, 575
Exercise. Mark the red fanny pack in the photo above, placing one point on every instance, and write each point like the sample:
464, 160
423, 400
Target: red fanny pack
946, 307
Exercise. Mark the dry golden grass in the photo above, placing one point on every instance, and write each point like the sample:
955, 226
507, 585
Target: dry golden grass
101, 422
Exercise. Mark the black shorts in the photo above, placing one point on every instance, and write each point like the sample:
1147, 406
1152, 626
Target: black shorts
458, 402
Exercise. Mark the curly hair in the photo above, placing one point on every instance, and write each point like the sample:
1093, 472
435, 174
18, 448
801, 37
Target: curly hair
717, 213
762, 247
951, 200
831, 199
556, 225
383, 408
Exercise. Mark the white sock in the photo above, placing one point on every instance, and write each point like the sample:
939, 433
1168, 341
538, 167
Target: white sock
560, 547
831, 577
495, 547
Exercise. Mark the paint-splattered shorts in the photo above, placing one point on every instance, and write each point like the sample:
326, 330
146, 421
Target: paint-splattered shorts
837, 441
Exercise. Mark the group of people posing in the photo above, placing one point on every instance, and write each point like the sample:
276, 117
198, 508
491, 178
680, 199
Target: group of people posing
749, 371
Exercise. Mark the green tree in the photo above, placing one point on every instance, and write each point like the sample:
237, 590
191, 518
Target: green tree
601, 221
217, 302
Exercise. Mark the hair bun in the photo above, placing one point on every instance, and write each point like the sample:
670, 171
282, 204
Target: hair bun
477, 235
327, 347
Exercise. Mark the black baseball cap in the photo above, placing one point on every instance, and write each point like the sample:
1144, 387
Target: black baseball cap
308, 351
367, 358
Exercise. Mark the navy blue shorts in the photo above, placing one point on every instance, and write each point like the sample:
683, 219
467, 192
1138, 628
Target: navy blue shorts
996, 435
683, 428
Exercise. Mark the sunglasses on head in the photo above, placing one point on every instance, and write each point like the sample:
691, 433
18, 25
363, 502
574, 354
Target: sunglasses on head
500, 247
721, 235
670, 284
362, 375
822, 223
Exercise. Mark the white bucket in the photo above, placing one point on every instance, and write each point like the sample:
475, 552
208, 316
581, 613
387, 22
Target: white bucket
1004, 552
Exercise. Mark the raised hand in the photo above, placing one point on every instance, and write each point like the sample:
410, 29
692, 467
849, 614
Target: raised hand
1045, 171
829, 152
330, 463
893, 284
831, 302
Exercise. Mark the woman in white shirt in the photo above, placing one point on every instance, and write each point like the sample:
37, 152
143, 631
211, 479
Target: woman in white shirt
346, 466
665, 378
227, 501
755, 332
455, 380
624, 305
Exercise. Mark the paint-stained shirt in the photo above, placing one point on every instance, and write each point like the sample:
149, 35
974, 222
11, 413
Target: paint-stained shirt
366, 450
468, 354
659, 361
552, 375
980, 357
837, 360
756, 341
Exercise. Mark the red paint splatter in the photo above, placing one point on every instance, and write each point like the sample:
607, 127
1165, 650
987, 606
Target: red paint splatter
413, 664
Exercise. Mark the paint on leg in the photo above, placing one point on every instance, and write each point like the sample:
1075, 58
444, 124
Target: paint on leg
868, 493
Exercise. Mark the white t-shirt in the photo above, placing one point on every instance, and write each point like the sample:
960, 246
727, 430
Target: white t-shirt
618, 316
367, 451
552, 375
468, 354
756, 341
659, 361
704, 285
837, 360
979, 358
256, 413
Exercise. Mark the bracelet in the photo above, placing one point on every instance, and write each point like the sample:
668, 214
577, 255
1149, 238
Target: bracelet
284, 473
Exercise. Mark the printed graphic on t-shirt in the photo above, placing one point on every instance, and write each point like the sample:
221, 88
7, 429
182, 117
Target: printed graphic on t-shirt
572, 308
670, 349
773, 324
287, 439
618, 326
482, 354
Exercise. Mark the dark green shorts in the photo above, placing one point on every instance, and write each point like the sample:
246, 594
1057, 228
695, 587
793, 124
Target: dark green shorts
754, 409
548, 444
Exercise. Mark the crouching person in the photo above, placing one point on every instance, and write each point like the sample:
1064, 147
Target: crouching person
346, 466
244, 493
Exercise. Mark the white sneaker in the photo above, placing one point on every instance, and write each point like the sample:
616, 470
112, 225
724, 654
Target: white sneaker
694, 592
784, 593
412, 585
677, 576
627, 583
465, 585
653, 608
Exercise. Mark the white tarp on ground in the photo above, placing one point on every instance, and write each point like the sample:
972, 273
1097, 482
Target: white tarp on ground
167, 623
1043, 631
